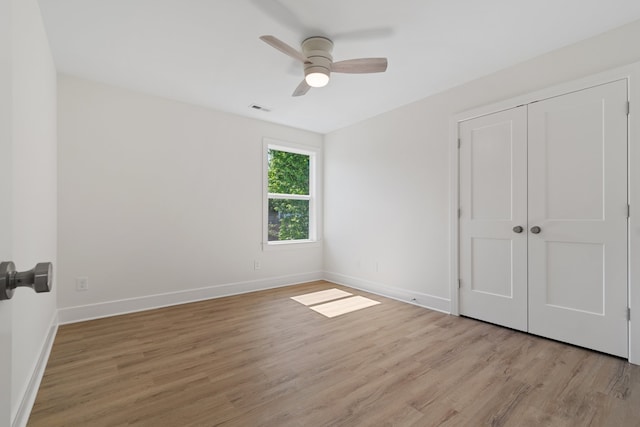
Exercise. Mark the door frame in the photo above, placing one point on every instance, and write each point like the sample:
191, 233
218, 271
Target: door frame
631, 73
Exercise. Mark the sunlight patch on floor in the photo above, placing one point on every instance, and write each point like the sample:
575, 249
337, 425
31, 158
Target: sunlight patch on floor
321, 296
344, 306
338, 305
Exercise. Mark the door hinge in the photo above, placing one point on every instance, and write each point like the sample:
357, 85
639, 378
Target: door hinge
628, 210
459, 143
459, 283
459, 213
628, 108
628, 313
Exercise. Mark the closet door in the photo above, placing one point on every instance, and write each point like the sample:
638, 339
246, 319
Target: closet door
493, 203
577, 150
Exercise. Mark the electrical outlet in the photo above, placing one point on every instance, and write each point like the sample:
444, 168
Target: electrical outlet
257, 265
82, 284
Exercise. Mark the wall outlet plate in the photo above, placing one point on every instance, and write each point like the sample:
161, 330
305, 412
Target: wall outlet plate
82, 284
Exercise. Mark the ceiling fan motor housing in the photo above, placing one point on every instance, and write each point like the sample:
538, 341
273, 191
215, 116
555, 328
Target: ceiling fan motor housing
318, 51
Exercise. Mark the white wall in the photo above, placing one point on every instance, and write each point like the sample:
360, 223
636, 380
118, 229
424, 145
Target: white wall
387, 192
34, 188
157, 196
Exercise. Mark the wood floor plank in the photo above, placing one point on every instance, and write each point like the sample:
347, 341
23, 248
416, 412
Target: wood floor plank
263, 359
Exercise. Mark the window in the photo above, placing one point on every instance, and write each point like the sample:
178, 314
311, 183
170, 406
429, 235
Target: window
290, 204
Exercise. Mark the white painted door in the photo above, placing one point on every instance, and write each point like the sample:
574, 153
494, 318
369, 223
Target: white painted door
565, 181
5, 349
577, 149
5, 209
493, 200
5, 323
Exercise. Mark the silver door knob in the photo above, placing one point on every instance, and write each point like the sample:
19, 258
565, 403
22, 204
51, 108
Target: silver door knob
518, 229
38, 278
535, 229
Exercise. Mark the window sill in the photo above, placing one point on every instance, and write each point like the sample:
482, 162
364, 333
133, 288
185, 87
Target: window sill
290, 244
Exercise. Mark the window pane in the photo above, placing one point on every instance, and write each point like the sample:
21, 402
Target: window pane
288, 219
288, 172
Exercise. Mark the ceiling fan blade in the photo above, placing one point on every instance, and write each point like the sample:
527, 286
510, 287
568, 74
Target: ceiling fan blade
302, 88
284, 48
360, 66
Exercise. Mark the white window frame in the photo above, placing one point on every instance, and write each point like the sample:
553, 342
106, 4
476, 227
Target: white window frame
314, 161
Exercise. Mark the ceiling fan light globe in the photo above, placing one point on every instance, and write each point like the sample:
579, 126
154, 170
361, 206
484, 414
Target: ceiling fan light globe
317, 79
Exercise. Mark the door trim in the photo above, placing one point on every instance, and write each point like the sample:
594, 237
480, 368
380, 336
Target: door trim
631, 73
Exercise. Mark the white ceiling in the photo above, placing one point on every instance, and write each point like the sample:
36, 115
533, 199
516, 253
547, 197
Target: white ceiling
207, 52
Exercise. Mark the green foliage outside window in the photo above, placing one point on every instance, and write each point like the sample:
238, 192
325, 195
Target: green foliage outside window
288, 174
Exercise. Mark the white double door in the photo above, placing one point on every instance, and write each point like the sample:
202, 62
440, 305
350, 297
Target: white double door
543, 219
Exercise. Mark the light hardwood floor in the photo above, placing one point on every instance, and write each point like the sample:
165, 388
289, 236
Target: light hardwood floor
262, 359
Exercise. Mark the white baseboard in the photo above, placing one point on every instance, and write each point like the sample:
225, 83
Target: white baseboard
29, 397
417, 298
131, 305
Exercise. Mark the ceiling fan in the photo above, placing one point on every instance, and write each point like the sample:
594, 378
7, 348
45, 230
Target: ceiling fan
318, 62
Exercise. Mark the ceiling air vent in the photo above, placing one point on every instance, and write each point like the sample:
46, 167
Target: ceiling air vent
259, 107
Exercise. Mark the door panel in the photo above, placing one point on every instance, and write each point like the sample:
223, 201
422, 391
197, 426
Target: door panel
493, 258
490, 161
577, 149
575, 269
572, 157
489, 271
